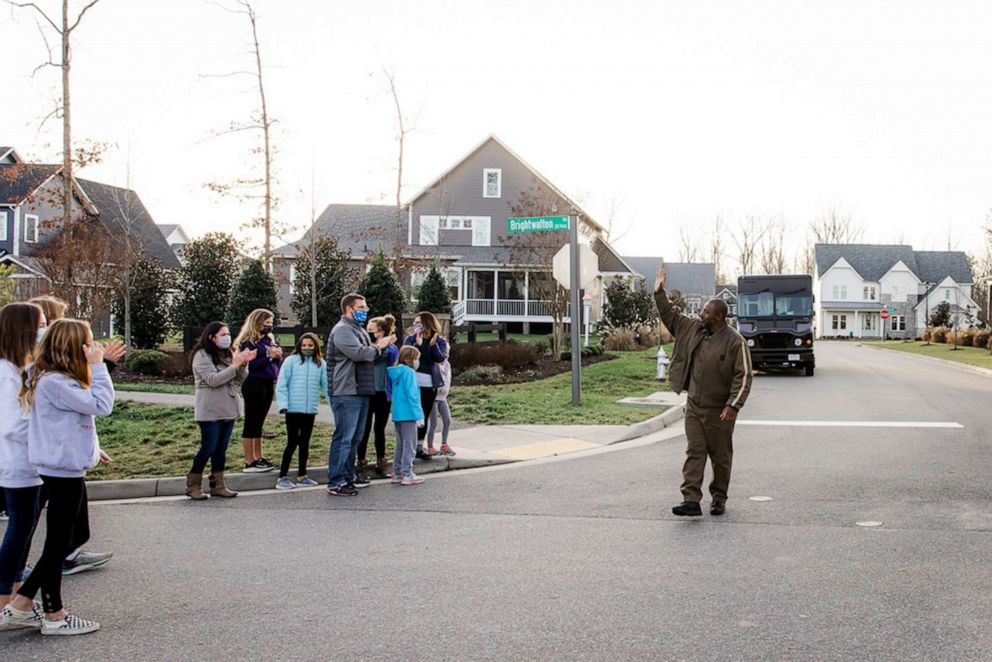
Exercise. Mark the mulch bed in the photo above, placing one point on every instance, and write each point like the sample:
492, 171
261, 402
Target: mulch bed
544, 367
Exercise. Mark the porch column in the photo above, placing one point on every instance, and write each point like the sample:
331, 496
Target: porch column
495, 292
526, 300
857, 325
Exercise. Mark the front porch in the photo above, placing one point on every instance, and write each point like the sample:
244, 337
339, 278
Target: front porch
498, 295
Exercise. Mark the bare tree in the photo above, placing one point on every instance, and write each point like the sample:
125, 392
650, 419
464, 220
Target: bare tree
718, 248
262, 121
748, 239
688, 245
806, 260
612, 233
130, 249
404, 126
836, 227
772, 256
64, 30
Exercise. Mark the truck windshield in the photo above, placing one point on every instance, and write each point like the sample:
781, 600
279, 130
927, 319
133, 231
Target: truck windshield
766, 304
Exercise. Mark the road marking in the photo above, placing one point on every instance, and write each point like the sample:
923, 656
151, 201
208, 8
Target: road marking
855, 424
760, 498
869, 523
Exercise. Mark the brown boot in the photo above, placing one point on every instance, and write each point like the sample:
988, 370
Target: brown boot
218, 488
194, 486
382, 468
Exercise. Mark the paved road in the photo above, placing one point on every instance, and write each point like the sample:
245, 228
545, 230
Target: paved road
581, 558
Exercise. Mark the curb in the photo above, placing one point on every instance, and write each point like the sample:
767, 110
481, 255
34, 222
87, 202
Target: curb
139, 488
671, 416
933, 359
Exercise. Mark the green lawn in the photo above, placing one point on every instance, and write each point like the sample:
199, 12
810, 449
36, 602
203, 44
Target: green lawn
156, 388
522, 337
548, 401
969, 355
148, 441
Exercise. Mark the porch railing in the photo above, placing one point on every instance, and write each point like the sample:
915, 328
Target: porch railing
505, 308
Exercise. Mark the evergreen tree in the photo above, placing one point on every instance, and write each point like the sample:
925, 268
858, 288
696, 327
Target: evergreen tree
254, 288
434, 293
620, 311
210, 266
8, 286
149, 304
941, 316
382, 290
677, 299
326, 267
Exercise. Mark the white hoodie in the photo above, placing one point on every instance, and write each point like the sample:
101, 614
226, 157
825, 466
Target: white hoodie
15, 470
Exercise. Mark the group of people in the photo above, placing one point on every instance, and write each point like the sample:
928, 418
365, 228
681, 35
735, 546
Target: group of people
54, 381
367, 378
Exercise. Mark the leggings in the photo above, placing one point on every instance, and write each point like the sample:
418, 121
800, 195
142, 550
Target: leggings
24, 506
214, 437
427, 396
68, 528
440, 408
299, 428
379, 411
258, 395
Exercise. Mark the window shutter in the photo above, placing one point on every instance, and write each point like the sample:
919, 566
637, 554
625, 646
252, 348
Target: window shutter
429, 230
481, 235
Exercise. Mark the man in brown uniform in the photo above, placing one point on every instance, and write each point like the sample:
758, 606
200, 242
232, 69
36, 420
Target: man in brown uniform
710, 361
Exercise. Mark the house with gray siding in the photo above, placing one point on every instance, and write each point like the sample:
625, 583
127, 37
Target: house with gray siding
695, 280
459, 222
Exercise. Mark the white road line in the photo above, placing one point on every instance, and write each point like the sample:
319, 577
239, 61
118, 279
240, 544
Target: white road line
854, 424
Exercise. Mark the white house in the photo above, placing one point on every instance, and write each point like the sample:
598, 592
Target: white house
854, 283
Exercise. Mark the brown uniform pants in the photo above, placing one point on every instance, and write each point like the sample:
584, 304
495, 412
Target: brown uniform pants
707, 436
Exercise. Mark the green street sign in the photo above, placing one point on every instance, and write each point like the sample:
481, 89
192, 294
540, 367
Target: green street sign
537, 223
893, 309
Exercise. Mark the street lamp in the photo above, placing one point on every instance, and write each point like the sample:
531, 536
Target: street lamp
926, 294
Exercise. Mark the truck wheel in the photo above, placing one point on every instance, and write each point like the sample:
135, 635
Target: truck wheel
809, 370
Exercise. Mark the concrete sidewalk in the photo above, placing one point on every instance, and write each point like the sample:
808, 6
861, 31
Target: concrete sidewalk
475, 445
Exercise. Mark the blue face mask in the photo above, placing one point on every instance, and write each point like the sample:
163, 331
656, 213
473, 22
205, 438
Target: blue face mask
41, 334
361, 316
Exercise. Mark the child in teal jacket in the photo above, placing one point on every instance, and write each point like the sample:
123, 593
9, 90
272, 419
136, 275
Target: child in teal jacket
407, 414
301, 381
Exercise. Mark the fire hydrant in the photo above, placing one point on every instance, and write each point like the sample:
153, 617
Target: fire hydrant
663, 362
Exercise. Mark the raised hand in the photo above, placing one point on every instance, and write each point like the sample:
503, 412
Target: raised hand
659, 281
94, 353
244, 357
114, 351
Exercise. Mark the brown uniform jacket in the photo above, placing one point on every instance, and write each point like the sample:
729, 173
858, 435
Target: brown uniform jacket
721, 363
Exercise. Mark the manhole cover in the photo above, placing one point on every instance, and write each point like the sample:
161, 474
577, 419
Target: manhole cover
760, 498
869, 523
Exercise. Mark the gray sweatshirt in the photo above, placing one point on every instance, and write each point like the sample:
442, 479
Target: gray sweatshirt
15, 470
350, 359
62, 439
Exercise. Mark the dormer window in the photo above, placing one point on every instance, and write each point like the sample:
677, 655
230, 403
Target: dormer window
492, 183
30, 229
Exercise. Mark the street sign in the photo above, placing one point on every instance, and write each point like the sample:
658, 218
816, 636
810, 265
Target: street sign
884, 314
893, 309
561, 266
537, 223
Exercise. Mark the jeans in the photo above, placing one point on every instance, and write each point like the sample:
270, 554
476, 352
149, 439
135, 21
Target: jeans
214, 436
350, 412
299, 429
68, 527
23, 507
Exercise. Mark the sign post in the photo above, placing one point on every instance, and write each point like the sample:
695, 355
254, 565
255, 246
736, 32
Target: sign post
576, 309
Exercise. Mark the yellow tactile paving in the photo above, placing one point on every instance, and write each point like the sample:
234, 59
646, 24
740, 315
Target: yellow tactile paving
546, 448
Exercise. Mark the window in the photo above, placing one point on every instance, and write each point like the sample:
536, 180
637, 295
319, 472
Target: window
292, 279
510, 286
481, 231
429, 230
794, 305
840, 292
757, 305
492, 183
30, 229
3, 226
898, 322
431, 226
456, 223
481, 284
839, 323
947, 294
868, 323
869, 293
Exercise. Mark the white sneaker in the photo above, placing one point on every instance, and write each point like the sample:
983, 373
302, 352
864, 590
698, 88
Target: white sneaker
412, 479
68, 626
285, 483
12, 618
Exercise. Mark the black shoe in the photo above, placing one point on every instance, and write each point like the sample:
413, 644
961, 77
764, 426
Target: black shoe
342, 491
421, 455
718, 508
361, 480
257, 467
265, 463
688, 509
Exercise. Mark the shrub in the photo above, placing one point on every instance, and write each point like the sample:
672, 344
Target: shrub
482, 373
621, 340
146, 361
938, 334
980, 338
965, 337
541, 347
508, 356
591, 350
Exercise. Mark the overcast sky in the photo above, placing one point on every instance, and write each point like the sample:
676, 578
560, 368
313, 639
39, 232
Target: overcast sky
671, 112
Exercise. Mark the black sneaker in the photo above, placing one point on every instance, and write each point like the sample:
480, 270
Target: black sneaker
257, 467
361, 480
265, 463
718, 508
342, 491
421, 455
688, 509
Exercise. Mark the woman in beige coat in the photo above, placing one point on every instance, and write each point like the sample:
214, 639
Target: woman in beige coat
217, 372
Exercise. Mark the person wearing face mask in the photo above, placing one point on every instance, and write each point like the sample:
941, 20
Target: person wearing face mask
407, 414
426, 337
351, 356
217, 370
55, 309
379, 405
259, 388
301, 381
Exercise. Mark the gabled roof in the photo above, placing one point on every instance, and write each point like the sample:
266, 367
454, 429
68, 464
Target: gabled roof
360, 229
9, 154
686, 277
872, 261
120, 209
18, 181
544, 180
167, 228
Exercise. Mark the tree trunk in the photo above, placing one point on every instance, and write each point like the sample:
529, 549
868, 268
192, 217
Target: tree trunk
267, 256
127, 318
313, 292
66, 124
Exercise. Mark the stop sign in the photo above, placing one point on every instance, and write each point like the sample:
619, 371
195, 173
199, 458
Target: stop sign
884, 314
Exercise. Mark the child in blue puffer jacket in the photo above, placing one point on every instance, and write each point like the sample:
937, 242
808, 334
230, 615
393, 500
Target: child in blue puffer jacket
301, 381
408, 414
